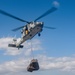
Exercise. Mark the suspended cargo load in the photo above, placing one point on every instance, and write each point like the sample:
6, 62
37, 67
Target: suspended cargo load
33, 66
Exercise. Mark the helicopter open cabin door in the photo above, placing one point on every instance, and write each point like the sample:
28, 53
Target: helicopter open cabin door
32, 32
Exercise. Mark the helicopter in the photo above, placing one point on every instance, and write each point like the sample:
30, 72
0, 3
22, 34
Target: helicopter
30, 29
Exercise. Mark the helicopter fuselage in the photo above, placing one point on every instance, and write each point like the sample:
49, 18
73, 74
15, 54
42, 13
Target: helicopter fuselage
33, 29
28, 32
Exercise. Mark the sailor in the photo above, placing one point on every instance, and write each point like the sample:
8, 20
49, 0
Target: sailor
24, 31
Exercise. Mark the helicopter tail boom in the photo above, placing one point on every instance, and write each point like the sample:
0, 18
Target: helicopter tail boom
14, 45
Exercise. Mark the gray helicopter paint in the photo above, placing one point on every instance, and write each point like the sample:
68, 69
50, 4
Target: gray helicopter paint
32, 33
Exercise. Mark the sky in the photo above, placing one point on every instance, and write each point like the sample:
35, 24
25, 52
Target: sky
54, 49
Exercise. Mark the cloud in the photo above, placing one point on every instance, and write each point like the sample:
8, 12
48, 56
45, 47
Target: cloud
14, 51
60, 63
18, 66
4, 46
34, 45
45, 62
13, 66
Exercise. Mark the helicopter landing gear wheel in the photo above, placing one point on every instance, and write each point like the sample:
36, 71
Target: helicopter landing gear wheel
39, 34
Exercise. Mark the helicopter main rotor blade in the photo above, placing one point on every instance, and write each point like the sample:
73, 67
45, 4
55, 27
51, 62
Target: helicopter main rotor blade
49, 27
7, 14
46, 13
17, 28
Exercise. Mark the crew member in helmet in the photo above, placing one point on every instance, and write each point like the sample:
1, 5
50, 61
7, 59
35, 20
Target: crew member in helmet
24, 31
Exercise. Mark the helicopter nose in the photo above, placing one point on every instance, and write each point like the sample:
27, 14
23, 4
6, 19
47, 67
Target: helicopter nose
42, 23
39, 23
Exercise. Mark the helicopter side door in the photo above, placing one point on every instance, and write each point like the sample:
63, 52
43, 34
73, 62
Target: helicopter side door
33, 32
